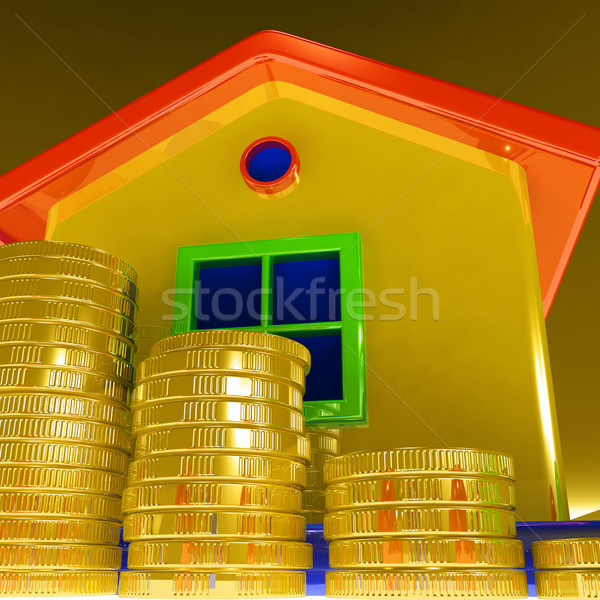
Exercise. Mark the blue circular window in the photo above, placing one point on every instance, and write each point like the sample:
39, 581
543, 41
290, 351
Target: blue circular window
270, 164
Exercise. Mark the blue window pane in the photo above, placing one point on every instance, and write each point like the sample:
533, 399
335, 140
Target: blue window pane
269, 164
324, 382
229, 297
306, 291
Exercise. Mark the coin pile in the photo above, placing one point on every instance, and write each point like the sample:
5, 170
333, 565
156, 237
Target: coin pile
145, 337
568, 568
67, 315
324, 444
423, 522
214, 498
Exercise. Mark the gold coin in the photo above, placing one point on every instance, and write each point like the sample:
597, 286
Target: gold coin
52, 332
318, 458
390, 522
69, 289
223, 439
59, 405
68, 311
568, 584
419, 461
404, 490
217, 467
216, 386
47, 428
58, 583
427, 584
576, 553
315, 478
60, 503
224, 359
228, 338
78, 270
50, 477
42, 248
45, 529
324, 431
207, 524
314, 516
313, 499
75, 455
222, 495
195, 584
59, 556
224, 412
64, 356
220, 555
424, 553
60, 379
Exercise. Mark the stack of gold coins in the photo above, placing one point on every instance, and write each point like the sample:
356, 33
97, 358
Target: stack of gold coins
214, 498
145, 337
67, 316
568, 568
423, 522
324, 444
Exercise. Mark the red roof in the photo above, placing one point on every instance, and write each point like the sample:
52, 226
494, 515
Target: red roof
561, 157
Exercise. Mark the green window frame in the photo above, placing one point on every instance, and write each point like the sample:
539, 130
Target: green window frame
350, 409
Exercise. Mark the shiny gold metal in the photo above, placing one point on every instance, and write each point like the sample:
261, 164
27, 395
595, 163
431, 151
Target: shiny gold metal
59, 556
80, 336
313, 499
52, 477
411, 522
66, 406
51, 429
58, 583
176, 413
217, 467
318, 458
426, 461
314, 478
216, 386
42, 248
427, 584
63, 356
64, 454
229, 495
439, 553
568, 584
46, 529
61, 503
78, 270
223, 439
577, 553
314, 516
198, 584
231, 338
220, 555
322, 442
67, 311
58, 288
405, 490
63, 380
207, 524
225, 360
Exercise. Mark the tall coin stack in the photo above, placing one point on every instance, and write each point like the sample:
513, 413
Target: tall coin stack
67, 316
423, 522
567, 568
214, 498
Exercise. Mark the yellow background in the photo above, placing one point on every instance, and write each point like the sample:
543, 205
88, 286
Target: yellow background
526, 52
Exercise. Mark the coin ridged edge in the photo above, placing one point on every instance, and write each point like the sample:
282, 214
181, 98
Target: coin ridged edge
576, 553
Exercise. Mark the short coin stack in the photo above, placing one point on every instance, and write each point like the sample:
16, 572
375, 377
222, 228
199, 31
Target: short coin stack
214, 498
67, 315
567, 568
423, 522
324, 444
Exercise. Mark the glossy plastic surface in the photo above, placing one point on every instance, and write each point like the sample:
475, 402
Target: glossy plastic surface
561, 157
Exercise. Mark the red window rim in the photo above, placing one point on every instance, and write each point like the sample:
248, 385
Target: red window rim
278, 186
